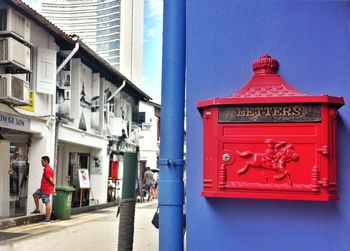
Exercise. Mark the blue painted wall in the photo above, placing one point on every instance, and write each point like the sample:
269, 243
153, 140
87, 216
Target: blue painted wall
312, 43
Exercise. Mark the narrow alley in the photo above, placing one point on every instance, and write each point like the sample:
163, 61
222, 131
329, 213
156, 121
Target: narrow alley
96, 230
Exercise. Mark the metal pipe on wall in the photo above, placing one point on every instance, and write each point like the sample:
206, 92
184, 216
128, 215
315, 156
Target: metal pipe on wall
171, 186
53, 102
66, 60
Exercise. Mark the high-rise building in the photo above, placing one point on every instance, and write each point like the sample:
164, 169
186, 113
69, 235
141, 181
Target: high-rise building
112, 28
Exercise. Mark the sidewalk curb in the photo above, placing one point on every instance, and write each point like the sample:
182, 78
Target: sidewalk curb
147, 203
24, 220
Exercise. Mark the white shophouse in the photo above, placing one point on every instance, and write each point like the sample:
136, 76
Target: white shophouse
149, 135
59, 98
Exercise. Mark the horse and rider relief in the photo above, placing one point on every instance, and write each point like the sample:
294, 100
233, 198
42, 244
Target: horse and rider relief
276, 157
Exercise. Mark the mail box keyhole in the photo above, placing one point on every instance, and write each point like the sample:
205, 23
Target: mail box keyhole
226, 157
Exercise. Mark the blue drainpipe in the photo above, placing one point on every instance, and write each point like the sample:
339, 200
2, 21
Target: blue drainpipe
171, 187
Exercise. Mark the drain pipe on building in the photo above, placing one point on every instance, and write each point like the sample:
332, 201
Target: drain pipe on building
66, 60
57, 119
117, 91
171, 186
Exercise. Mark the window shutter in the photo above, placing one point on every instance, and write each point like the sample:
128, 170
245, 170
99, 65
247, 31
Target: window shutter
46, 71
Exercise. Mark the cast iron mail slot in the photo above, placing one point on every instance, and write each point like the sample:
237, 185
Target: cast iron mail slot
270, 113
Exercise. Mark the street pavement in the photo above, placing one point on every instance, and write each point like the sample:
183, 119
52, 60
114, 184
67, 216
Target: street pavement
96, 230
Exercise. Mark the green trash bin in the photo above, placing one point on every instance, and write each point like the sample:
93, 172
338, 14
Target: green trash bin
62, 202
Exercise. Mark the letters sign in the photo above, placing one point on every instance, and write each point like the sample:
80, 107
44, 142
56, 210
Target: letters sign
270, 113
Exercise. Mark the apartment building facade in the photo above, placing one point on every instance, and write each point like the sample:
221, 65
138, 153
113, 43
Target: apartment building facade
112, 28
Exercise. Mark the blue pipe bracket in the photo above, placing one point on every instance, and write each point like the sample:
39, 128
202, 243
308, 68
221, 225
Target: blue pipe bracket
170, 163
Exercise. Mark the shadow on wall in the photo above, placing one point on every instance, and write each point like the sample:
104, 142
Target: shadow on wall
292, 210
343, 162
274, 211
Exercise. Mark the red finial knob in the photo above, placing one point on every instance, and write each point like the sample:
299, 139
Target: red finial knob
265, 64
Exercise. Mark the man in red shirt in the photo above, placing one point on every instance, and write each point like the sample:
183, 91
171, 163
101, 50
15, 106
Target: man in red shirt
46, 189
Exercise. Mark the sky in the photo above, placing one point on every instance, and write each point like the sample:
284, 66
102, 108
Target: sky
152, 46
152, 49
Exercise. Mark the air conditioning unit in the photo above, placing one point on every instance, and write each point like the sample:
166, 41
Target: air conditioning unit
11, 21
14, 90
14, 53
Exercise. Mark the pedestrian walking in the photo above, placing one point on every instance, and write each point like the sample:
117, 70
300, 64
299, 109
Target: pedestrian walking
47, 188
139, 191
147, 181
154, 188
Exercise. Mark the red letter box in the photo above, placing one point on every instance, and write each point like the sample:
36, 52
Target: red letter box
270, 141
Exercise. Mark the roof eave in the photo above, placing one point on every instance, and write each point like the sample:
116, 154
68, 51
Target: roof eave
62, 37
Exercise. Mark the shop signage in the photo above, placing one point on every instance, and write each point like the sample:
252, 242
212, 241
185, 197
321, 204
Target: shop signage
146, 126
14, 122
84, 181
30, 107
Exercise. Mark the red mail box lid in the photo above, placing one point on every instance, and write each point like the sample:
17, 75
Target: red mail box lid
266, 86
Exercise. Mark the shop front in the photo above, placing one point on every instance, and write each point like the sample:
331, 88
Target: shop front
83, 164
21, 147
15, 147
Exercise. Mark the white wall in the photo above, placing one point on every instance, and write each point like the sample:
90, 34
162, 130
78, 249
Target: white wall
75, 94
137, 73
4, 178
40, 38
74, 140
41, 127
131, 40
70, 138
148, 139
43, 142
95, 90
39, 147
99, 182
